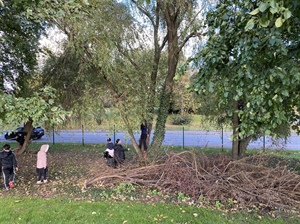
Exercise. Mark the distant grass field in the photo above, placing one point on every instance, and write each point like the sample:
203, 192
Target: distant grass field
199, 122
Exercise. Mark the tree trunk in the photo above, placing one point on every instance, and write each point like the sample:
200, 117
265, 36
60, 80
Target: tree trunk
159, 133
235, 127
155, 67
28, 129
239, 144
172, 22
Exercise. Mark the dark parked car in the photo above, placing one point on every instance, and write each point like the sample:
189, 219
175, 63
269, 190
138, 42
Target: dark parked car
37, 133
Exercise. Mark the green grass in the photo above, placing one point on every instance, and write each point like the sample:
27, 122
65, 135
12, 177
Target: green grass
37, 210
285, 154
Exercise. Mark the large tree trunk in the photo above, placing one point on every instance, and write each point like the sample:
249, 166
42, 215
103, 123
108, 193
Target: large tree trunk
28, 129
158, 47
239, 144
159, 134
173, 57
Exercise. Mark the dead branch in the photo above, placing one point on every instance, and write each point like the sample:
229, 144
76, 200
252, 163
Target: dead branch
248, 181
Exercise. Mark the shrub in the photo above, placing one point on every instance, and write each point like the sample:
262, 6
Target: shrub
178, 119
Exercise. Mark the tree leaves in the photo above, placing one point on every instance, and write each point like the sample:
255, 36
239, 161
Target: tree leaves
250, 24
265, 16
279, 21
18, 44
256, 70
254, 12
39, 108
263, 6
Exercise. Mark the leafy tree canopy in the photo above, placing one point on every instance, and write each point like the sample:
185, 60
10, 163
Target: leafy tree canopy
253, 67
18, 46
39, 108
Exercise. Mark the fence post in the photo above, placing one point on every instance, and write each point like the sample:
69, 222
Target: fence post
183, 137
53, 141
82, 134
222, 138
114, 134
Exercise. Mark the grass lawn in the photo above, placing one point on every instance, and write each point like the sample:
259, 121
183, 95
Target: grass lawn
63, 199
58, 210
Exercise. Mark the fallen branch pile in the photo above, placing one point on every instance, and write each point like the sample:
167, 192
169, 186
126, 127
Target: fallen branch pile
247, 181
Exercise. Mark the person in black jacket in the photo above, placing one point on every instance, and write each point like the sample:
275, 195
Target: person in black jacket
20, 138
9, 166
119, 152
144, 135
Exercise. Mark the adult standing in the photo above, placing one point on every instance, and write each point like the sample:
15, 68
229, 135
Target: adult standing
119, 152
144, 135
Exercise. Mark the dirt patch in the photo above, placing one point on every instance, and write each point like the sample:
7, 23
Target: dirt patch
67, 172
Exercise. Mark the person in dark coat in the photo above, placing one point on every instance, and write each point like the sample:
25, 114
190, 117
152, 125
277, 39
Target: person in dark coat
20, 138
9, 166
119, 152
144, 135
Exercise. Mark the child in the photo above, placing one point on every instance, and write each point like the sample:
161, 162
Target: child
41, 164
9, 166
109, 153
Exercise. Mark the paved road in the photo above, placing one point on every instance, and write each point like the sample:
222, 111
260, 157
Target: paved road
172, 138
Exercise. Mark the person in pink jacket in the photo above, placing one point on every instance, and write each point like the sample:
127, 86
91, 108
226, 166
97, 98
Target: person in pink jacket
41, 164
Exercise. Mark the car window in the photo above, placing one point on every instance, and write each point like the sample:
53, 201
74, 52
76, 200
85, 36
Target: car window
19, 129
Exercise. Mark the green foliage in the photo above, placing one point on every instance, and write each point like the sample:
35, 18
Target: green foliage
123, 189
154, 193
219, 205
230, 202
254, 68
182, 100
182, 197
40, 108
180, 119
107, 57
270, 13
97, 70
18, 47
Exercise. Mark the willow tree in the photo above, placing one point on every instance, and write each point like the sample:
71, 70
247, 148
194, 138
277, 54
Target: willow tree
251, 71
102, 63
172, 23
112, 55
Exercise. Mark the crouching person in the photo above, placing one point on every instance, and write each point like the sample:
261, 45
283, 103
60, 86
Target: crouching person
9, 166
41, 164
119, 153
109, 157
109, 153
